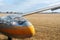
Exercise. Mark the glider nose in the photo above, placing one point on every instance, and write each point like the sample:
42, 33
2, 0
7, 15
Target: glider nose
32, 30
30, 27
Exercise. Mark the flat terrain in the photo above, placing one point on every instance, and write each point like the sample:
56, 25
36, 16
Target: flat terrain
47, 27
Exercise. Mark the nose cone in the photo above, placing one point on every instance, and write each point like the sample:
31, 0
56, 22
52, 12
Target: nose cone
30, 27
32, 30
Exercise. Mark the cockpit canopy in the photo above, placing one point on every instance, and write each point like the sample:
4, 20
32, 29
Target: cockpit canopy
12, 18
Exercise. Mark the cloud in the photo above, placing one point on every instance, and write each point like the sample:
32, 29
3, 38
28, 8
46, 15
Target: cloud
25, 5
30, 4
57, 3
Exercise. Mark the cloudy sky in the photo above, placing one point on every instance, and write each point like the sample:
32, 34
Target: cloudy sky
25, 5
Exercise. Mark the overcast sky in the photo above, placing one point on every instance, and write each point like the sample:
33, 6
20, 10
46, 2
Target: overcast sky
25, 5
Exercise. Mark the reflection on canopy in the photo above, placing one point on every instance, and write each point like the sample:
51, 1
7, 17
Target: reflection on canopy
12, 18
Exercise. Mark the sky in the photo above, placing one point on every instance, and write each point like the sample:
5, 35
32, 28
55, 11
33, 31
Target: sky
25, 6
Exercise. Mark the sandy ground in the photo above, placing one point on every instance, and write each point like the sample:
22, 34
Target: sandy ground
47, 27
